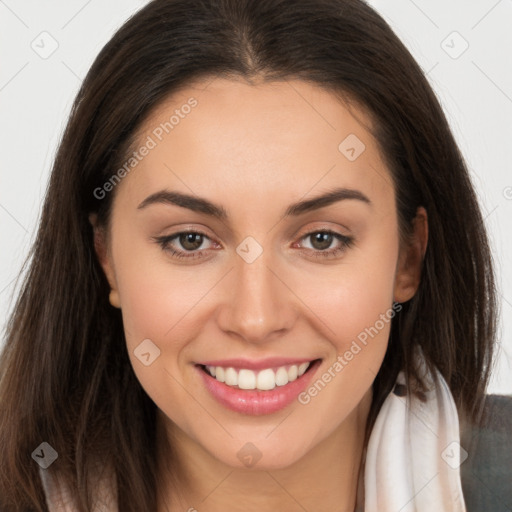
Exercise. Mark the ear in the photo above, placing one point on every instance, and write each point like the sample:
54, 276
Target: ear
410, 259
104, 257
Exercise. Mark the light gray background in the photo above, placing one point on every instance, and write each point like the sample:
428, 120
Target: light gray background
474, 85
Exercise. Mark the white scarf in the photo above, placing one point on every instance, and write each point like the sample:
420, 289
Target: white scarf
411, 464
413, 454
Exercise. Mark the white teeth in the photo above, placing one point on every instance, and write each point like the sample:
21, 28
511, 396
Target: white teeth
246, 379
302, 368
219, 374
263, 380
266, 379
231, 377
281, 377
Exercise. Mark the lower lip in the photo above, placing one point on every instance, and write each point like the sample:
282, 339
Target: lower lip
256, 402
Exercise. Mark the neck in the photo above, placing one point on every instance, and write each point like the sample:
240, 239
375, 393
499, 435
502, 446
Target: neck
326, 478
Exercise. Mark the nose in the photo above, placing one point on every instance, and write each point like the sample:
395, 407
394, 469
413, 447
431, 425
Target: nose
257, 305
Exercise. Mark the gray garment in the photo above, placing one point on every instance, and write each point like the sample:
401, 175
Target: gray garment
486, 474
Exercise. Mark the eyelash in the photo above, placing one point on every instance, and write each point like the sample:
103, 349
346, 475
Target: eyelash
346, 243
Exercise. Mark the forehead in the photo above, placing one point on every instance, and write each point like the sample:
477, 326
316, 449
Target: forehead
265, 138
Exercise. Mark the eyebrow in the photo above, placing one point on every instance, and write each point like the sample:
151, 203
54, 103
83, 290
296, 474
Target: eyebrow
201, 205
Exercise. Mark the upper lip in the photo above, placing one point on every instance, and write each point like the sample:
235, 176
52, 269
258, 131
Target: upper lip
260, 364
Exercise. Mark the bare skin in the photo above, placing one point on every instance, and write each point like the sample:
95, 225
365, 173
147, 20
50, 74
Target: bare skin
255, 150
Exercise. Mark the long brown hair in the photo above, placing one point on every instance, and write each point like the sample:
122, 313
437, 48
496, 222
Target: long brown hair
65, 373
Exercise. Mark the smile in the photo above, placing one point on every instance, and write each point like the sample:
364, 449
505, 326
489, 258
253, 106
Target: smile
263, 380
256, 391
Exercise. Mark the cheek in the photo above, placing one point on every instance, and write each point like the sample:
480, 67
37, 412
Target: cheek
351, 297
158, 303
155, 293
354, 315
161, 304
153, 301
353, 306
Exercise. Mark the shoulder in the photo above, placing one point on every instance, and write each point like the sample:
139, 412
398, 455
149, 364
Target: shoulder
486, 474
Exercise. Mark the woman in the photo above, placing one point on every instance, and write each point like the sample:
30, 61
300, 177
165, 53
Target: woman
261, 279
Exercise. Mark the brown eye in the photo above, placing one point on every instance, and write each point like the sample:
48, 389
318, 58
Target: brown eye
186, 244
326, 244
191, 241
321, 240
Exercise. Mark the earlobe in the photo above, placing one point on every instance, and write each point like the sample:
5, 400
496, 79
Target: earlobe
104, 258
410, 260
113, 298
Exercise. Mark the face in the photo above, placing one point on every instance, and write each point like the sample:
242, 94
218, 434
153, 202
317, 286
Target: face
256, 238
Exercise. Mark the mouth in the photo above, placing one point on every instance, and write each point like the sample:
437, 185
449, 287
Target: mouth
263, 390
263, 380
